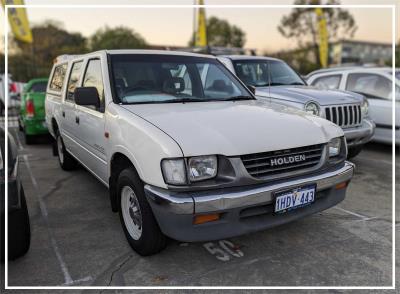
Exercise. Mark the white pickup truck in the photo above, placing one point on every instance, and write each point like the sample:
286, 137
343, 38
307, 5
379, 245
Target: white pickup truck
185, 148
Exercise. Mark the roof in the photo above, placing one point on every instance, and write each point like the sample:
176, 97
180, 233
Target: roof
156, 52
249, 57
351, 68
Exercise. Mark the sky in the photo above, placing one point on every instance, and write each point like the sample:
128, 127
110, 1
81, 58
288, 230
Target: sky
174, 26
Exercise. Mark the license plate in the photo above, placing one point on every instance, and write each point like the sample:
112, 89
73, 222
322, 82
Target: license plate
294, 198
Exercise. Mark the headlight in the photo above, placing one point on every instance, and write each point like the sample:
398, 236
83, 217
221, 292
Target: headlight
174, 171
334, 147
364, 107
202, 167
312, 107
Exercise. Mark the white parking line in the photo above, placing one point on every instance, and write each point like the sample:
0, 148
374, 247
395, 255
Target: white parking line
43, 209
362, 217
20, 146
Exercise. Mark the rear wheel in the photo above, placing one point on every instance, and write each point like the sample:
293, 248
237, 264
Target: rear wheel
67, 162
354, 151
19, 232
137, 219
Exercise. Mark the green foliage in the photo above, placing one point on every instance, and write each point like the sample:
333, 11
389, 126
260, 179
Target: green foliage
302, 24
221, 33
35, 60
116, 38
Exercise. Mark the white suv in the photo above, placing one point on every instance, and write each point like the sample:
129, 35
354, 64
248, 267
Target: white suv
185, 148
375, 83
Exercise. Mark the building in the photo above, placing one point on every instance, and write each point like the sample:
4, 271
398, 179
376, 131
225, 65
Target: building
359, 52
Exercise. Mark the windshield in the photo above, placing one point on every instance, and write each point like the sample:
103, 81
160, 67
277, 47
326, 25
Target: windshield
261, 73
145, 78
38, 87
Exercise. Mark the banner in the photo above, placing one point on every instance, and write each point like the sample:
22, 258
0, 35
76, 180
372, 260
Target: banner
323, 37
201, 32
18, 21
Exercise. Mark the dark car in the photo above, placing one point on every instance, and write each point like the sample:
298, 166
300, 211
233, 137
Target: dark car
19, 233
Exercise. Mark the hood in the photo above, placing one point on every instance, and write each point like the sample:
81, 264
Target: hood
235, 128
303, 94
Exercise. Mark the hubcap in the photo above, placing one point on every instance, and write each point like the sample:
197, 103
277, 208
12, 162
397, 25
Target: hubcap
60, 149
131, 212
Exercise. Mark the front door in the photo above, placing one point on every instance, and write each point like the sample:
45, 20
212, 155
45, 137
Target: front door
91, 124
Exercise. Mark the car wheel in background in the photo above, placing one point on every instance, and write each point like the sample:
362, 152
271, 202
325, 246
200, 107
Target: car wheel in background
137, 219
29, 139
19, 232
354, 151
67, 162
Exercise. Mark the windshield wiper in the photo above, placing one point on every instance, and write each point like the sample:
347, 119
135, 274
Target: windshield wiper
237, 98
297, 83
183, 100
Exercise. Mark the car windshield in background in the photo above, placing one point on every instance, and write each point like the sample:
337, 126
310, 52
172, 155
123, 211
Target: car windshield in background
144, 78
261, 73
39, 87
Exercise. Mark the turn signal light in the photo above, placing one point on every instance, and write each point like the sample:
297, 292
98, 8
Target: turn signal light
204, 218
341, 186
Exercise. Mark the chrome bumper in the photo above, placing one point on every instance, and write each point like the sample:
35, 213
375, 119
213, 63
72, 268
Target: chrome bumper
225, 199
360, 135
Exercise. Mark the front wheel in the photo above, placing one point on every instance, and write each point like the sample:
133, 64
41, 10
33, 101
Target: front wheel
67, 162
137, 219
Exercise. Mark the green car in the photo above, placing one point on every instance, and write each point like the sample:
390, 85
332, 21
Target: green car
32, 113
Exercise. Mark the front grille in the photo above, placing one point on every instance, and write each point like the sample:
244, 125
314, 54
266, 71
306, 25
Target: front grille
261, 165
345, 116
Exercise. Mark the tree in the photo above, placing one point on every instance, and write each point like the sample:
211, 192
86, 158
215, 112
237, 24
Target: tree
116, 38
221, 33
302, 24
49, 41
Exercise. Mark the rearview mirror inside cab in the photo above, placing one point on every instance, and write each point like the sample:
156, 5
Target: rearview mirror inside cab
87, 96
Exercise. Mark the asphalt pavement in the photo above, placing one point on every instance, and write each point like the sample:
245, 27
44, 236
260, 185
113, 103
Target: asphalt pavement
78, 241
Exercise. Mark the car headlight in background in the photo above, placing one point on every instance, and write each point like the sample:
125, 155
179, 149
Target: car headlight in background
364, 107
312, 107
199, 168
202, 167
174, 171
334, 146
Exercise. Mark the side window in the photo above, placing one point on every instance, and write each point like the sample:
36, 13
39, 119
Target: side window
94, 78
39, 87
327, 82
371, 85
73, 80
58, 77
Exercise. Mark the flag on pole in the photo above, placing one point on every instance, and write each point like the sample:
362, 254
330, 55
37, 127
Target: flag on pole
201, 32
323, 37
18, 20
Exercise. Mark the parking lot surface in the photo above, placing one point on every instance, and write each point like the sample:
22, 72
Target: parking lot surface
78, 241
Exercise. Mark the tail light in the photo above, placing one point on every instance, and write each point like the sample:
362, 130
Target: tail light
30, 108
13, 88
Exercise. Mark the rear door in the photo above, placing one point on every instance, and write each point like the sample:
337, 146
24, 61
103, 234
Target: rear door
68, 111
90, 123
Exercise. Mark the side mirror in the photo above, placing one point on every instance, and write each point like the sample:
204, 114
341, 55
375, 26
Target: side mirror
87, 96
252, 89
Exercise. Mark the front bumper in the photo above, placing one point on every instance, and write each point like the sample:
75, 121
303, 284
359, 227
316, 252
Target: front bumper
243, 209
360, 135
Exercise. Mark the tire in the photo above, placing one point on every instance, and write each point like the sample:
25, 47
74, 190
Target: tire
19, 232
353, 152
20, 128
137, 219
29, 139
67, 162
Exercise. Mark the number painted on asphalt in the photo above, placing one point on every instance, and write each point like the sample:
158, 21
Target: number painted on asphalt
223, 250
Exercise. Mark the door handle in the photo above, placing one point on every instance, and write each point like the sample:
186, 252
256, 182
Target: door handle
77, 119
63, 113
